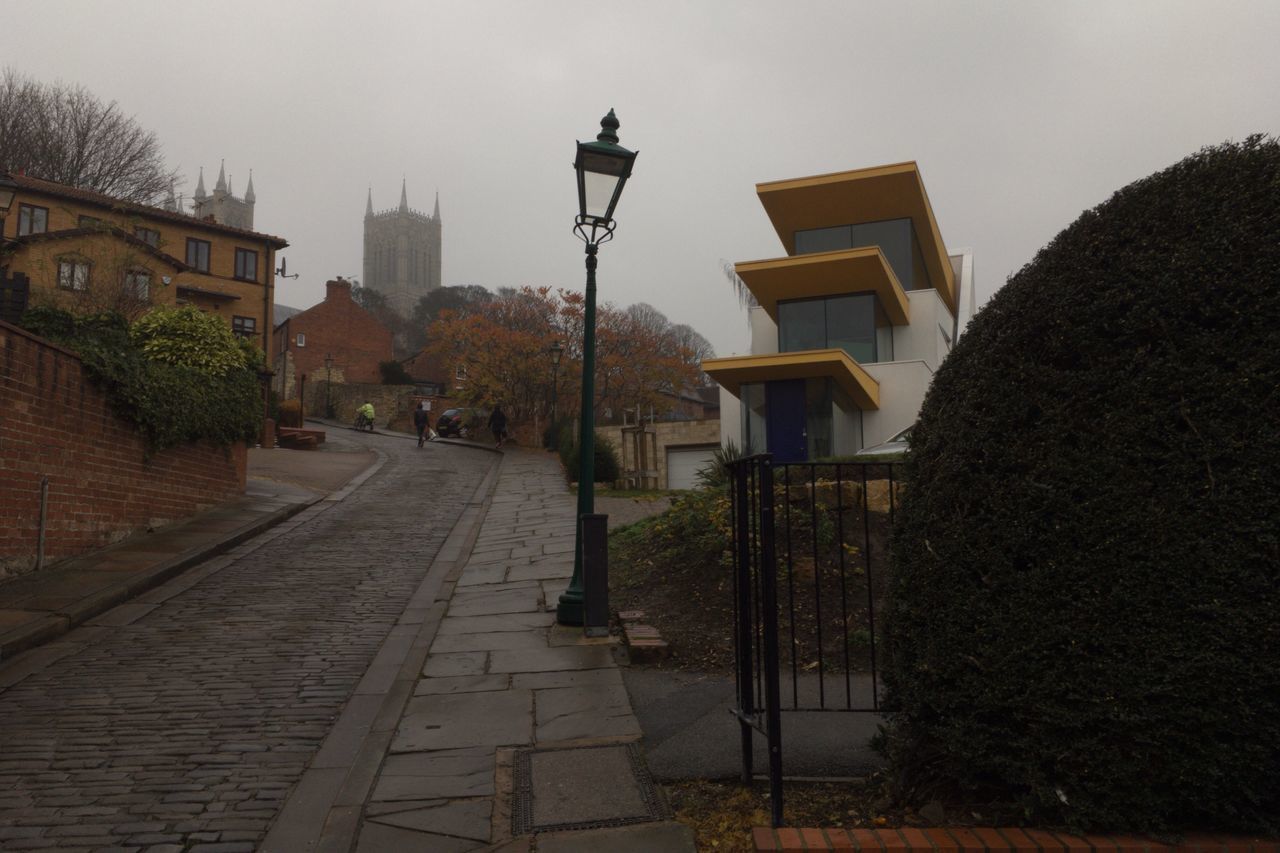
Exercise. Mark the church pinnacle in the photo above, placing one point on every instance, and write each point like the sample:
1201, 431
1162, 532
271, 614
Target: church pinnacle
368, 204
404, 198
201, 195
248, 191
221, 185
436, 214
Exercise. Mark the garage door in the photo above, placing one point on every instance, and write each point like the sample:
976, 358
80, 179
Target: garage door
683, 464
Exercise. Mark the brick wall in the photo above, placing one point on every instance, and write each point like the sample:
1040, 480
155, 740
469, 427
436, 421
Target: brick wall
336, 327
54, 423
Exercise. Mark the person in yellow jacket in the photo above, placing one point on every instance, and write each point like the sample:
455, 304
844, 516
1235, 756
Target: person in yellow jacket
366, 416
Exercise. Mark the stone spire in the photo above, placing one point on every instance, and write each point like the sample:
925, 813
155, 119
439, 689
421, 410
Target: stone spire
248, 191
404, 198
171, 202
201, 195
230, 191
368, 204
436, 213
221, 185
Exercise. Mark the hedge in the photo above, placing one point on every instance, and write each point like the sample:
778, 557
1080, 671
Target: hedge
1085, 616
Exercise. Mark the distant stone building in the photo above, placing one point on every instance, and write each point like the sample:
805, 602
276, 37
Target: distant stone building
401, 253
223, 207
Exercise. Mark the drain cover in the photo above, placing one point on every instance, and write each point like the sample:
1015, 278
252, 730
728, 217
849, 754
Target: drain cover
583, 788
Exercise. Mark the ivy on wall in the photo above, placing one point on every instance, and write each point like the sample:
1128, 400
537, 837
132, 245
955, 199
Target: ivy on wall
176, 378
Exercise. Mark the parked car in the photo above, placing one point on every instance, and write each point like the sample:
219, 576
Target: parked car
455, 422
888, 451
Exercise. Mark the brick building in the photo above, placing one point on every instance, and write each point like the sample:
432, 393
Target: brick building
338, 328
88, 252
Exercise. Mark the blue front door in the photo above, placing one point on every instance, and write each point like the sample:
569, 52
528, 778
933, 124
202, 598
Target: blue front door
785, 420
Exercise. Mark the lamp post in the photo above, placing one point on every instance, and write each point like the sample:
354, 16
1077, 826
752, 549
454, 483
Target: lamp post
556, 350
603, 167
328, 382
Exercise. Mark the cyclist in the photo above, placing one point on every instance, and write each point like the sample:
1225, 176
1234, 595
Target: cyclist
364, 416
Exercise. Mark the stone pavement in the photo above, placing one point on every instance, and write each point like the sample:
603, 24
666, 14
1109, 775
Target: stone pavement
511, 725
378, 671
182, 719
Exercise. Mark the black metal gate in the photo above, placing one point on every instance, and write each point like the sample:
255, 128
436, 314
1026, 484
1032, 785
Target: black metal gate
810, 546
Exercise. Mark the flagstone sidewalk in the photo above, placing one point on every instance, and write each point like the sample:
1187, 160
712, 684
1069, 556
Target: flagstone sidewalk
512, 726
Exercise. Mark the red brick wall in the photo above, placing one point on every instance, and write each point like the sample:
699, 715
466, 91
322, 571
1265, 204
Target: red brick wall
337, 327
54, 423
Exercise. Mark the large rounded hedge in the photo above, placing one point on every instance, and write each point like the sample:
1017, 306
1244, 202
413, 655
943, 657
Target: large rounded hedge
1085, 617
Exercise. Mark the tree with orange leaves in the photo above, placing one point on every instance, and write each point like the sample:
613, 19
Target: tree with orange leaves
503, 345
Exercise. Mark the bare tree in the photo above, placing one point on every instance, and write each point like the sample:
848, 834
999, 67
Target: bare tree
66, 134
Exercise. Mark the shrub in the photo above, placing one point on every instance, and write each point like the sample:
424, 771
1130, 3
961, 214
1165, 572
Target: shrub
291, 413
715, 473
169, 403
393, 373
1087, 573
605, 468
187, 336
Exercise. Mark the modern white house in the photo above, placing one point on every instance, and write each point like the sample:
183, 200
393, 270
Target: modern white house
850, 326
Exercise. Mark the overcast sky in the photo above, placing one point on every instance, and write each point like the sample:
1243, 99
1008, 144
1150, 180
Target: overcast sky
1020, 115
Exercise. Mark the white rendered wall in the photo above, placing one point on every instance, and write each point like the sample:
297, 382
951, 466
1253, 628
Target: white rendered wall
968, 293
730, 418
902, 388
764, 333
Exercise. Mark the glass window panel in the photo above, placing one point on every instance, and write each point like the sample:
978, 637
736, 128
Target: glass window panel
884, 334
846, 423
894, 237
801, 325
753, 418
817, 416
920, 273
851, 326
823, 240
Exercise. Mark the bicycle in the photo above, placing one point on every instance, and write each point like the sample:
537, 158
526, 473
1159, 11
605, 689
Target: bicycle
362, 422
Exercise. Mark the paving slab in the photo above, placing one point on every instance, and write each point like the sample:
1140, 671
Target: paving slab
550, 659
466, 719
574, 786
462, 684
487, 624
468, 819
431, 775
380, 838
488, 642
455, 663
486, 602
573, 713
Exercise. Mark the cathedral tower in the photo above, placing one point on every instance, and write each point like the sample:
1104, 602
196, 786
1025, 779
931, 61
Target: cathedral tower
401, 252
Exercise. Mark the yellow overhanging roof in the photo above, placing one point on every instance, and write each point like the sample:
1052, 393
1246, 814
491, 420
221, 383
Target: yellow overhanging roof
732, 372
855, 198
825, 274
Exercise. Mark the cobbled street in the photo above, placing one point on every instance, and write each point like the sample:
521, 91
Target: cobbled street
182, 719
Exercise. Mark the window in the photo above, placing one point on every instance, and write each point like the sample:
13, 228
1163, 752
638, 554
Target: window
855, 323
246, 264
301, 339
73, 274
147, 235
138, 283
198, 254
245, 327
896, 239
460, 373
32, 219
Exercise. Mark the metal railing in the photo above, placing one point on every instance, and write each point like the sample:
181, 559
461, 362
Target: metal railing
810, 549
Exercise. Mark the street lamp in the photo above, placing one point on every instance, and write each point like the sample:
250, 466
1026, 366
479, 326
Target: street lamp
556, 351
603, 167
328, 382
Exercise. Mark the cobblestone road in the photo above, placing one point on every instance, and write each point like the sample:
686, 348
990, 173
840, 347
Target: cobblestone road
185, 729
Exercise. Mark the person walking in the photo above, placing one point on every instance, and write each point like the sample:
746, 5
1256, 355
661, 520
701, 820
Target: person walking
498, 423
420, 421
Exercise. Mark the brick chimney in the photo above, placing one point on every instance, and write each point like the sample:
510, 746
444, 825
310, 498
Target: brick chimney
338, 288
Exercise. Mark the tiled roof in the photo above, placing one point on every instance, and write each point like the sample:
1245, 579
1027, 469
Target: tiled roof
100, 200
